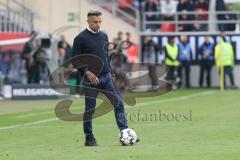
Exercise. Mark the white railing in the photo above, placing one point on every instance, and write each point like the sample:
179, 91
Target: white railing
15, 17
16, 21
177, 22
130, 14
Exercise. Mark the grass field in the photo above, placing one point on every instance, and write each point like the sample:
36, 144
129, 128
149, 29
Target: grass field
207, 128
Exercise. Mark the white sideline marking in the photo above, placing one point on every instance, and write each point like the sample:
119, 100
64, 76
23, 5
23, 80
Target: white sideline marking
27, 115
174, 99
97, 125
33, 114
140, 105
29, 124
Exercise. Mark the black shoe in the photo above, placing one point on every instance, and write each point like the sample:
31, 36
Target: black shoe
90, 142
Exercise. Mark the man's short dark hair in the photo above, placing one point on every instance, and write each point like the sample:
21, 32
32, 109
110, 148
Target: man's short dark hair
128, 33
170, 38
94, 13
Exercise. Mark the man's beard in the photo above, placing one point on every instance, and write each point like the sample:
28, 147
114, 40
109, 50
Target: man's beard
96, 30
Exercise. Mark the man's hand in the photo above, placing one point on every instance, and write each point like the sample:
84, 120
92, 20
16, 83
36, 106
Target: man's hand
92, 78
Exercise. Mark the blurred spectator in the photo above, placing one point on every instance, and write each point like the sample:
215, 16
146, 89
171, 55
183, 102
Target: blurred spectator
184, 5
220, 6
185, 57
171, 59
64, 50
191, 1
224, 56
2, 74
230, 17
119, 68
151, 6
128, 37
118, 39
119, 58
15, 75
36, 54
206, 55
12, 68
202, 4
43, 56
132, 49
184, 24
149, 52
198, 25
28, 55
168, 8
5, 65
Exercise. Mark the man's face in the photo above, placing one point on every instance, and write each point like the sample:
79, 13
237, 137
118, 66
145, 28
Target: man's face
63, 38
230, 7
184, 39
222, 34
94, 23
184, 16
183, 1
128, 37
147, 39
206, 39
120, 35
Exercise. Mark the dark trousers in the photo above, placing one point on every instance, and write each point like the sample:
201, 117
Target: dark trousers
78, 89
152, 74
37, 72
33, 74
107, 87
205, 67
228, 70
185, 65
170, 75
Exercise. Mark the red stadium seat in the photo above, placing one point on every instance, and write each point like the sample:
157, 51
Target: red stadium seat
107, 9
167, 27
123, 4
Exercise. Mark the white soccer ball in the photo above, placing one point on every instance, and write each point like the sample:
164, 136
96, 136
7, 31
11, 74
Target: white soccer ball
128, 137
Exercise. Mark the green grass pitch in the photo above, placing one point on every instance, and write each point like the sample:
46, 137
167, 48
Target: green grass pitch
207, 127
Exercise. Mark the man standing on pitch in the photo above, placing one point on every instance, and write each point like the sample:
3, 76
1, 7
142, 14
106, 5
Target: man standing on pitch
91, 41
